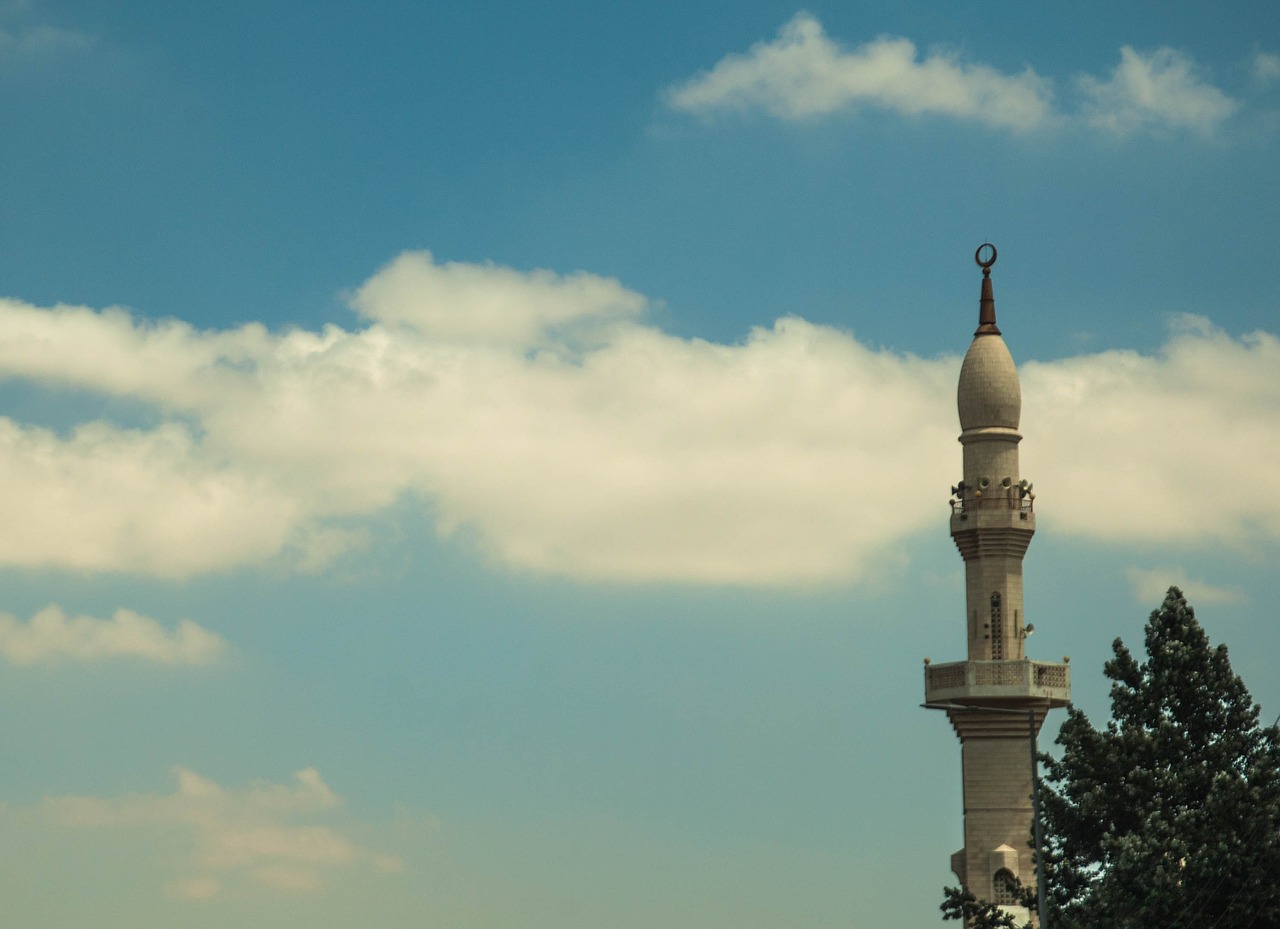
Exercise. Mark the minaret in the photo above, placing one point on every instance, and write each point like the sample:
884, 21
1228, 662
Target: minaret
998, 697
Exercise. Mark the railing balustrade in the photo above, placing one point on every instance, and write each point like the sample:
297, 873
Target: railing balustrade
994, 501
1018, 676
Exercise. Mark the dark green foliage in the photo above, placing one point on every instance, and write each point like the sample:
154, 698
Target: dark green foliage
1170, 816
977, 914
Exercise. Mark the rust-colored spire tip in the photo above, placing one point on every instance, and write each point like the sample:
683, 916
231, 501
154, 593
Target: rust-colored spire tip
985, 256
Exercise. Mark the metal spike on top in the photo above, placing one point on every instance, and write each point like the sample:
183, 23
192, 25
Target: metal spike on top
987, 304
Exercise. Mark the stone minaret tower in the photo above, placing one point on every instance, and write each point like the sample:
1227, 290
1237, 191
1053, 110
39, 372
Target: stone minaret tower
998, 697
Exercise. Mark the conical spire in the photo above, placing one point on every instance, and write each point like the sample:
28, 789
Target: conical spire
987, 303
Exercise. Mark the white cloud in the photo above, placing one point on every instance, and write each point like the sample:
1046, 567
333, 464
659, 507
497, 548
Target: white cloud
158, 501
632, 455
51, 636
1180, 447
502, 305
249, 835
595, 446
1266, 68
1150, 585
803, 73
1159, 90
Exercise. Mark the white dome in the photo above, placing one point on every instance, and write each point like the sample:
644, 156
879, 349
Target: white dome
989, 393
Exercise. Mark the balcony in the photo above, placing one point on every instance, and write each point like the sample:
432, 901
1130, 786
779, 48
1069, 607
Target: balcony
1021, 679
994, 501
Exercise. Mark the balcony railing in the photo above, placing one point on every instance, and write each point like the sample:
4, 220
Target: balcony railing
996, 500
1015, 679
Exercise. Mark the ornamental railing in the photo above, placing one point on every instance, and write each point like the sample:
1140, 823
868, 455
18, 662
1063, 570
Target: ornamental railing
993, 501
1017, 678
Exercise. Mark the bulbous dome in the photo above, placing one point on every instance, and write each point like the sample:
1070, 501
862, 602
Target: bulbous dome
989, 393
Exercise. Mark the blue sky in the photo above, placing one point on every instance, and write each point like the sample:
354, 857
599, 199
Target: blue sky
487, 466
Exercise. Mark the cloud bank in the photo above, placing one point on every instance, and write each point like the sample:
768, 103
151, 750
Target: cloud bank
52, 637
586, 444
802, 73
1182, 447
264, 835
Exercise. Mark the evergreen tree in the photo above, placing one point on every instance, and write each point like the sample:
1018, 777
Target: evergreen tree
976, 913
1170, 816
